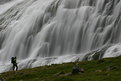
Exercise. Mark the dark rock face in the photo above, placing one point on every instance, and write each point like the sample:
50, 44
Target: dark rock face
4, 1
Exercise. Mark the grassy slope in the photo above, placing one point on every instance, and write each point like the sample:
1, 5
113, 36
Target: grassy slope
46, 73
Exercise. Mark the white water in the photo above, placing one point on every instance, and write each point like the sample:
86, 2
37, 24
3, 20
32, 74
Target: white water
44, 32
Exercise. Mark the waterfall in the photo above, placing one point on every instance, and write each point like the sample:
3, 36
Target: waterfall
44, 32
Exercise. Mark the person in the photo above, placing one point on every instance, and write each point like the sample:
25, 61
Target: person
13, 61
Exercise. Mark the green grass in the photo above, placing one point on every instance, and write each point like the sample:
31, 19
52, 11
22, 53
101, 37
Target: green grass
94, 71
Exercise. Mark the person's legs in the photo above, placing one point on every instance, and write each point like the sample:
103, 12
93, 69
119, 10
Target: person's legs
16, 67
13, 67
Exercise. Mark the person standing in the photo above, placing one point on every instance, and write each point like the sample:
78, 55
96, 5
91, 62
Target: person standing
13, 61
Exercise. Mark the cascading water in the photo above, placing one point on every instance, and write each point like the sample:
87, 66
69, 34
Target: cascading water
42, 32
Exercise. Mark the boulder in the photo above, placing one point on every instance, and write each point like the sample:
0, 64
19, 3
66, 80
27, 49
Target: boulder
77, 69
